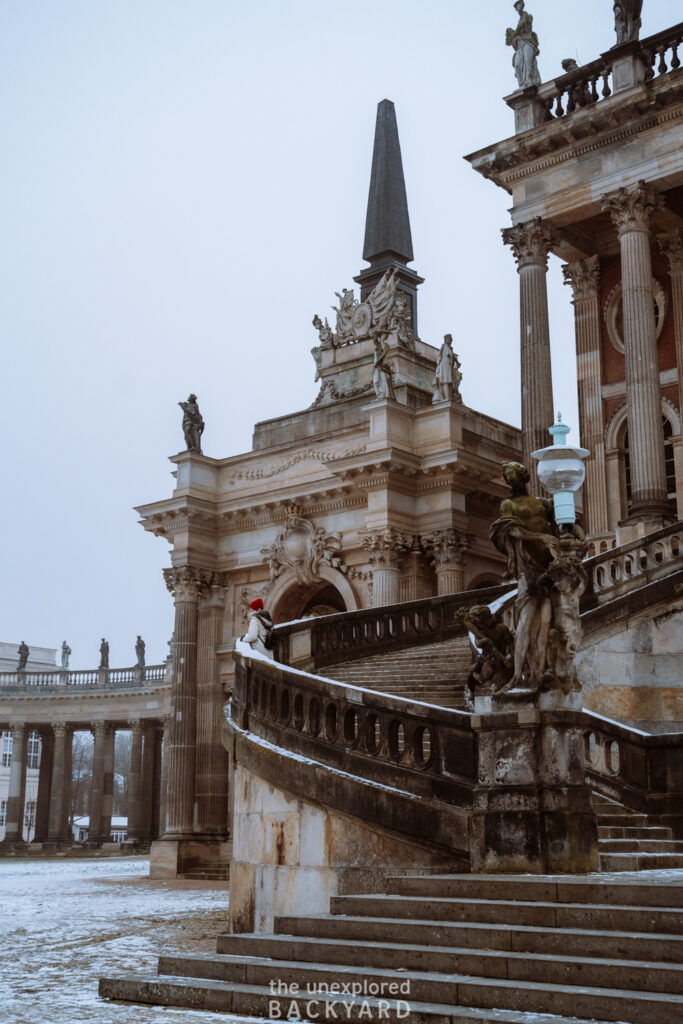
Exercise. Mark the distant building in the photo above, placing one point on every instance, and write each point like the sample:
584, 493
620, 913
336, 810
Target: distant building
81, 825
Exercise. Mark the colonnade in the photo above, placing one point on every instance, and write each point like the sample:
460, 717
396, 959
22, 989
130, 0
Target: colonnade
146, 782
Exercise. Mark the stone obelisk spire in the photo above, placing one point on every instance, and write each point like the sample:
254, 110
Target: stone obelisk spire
388, 241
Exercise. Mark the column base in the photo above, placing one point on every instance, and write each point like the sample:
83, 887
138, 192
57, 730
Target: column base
9, 845
173, 857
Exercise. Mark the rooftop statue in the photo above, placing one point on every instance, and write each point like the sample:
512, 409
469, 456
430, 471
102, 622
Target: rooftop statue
140, 651
344, 311
66, 653
193, 424
524, 41
23, 653
627, 20
447, 377
324, 332
400, 321
104, 654
382, 377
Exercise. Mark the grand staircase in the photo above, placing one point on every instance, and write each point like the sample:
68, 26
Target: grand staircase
629, 841
434, 673
464, 949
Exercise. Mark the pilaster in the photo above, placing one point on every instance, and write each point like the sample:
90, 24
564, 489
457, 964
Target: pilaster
531, 244
584, 278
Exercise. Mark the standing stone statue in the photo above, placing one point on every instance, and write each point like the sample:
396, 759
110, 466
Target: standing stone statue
104, 654
324, 332
23, 653
447, 376
140, 651
66, 652
193, 424
627, 20
171, 644
524, 41
382, 378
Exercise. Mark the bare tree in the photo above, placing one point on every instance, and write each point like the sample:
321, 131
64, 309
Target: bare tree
121, 770
81, 774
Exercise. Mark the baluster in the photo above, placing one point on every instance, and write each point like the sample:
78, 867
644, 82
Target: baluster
606, 91
548, 104
593, 88
559, 109
571, 99
663, 66
649, 64
675, 60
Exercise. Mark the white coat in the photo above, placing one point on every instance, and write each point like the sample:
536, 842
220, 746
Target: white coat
257, 631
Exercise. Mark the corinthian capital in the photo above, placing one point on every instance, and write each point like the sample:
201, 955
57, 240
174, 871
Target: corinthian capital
671, 246
632, 208
386, 548
188, 583
447, 548
531, 242
584, 277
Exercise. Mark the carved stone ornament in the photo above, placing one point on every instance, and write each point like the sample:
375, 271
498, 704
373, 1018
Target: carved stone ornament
584, 277
614, 313
188, 583
386, 547
385, 310
303, 548
447, 548
631, 208
531, 242
671, 246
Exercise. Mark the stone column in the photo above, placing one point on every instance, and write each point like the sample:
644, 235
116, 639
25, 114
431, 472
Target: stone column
186, 584
531, 244
97, 784
67, 831
108, 782
135, 807
163, 781
584, 278
448, 553
16, 793
671, 245
385, 550
631, 211
47, 748
148, 781
62, 737
417, 581
157, 739
211, 793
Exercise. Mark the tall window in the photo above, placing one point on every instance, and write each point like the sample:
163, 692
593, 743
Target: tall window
3, 813
668, 462
6, 749
33, 751
30, 814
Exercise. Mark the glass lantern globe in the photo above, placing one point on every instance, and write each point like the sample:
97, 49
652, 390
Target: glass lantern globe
561, 470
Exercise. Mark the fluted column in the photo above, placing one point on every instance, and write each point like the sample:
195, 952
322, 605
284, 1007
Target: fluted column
47, 748
67, 830
417, 579
531, 244
671, 245
148, 781
157, 739
163, 781
212, 759
631, 211
135, 811
16, 793
448, 549
97, 784
62, 737
385, 550
108, 782
186, 584
584, 278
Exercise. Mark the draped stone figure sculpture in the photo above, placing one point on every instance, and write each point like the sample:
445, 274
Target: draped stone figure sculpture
66, 653
193, 424
627, 20
382, 378
140, 651
447, 376
104, 654
524, 41
23, 653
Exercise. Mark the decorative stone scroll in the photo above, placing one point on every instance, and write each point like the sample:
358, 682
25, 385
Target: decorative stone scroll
303, 548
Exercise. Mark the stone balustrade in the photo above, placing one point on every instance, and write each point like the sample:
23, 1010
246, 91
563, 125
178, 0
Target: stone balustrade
640, 770
616, 572
94, 679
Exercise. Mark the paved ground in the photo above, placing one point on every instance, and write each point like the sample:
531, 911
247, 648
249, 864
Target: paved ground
66, 922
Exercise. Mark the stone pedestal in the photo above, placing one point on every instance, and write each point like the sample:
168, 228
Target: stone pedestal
530, 110
532, 810
170, 858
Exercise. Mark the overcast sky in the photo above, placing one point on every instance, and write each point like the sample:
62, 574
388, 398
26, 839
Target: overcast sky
182, 186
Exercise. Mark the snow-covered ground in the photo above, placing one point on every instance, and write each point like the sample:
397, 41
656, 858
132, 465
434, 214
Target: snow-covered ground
65, 923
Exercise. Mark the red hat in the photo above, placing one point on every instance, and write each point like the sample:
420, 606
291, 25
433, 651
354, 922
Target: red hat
257, 605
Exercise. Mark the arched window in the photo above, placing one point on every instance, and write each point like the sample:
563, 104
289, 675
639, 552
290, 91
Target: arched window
668, 462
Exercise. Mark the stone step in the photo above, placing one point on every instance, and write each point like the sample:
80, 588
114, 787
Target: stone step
548, 888
217, 875
469, 935
542, 914
428, 987
640, 861
640, 845
635, 832
560, 970
625, 819
246, 1001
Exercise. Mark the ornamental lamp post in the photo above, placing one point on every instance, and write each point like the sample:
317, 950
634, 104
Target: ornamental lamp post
561, 471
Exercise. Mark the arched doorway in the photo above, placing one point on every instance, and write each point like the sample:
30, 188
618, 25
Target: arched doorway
290, 599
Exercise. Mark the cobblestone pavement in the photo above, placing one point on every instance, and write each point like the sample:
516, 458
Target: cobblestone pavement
66, 922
